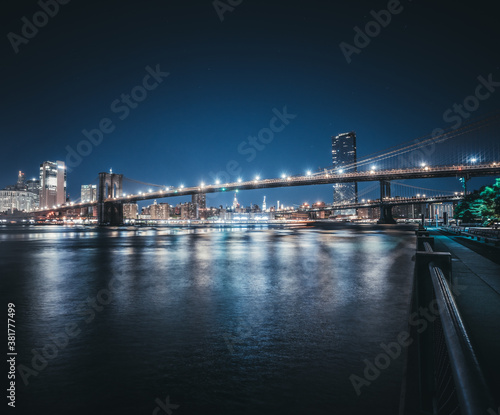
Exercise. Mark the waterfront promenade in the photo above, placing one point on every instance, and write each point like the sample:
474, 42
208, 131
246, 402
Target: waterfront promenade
478, 299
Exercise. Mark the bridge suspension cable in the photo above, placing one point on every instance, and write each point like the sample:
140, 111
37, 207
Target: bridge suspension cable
144, 183
421, 188
421, 142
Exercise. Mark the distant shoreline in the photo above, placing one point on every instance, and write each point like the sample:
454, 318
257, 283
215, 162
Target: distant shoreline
327, 225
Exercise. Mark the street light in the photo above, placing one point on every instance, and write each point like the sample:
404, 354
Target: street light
181, 186
217, 181
308, 172
283, 176
341, 171
239, 179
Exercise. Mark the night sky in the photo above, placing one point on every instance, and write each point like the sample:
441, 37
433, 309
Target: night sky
227, 79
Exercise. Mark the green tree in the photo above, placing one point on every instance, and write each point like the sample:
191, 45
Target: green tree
482, 204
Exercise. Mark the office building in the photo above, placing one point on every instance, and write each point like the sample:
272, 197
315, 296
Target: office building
159, 211
199, 202
17, 197
344, 159
130, 210
33, 186
88, 193
16, 200
52, 184
200, 199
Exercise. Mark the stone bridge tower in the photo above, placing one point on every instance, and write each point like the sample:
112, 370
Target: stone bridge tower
108, 211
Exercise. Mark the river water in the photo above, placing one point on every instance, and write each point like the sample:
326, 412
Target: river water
205, 321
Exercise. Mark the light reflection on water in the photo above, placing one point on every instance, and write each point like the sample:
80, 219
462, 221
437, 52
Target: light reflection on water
303, 307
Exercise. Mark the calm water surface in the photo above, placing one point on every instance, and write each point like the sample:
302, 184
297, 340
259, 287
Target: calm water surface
220, 321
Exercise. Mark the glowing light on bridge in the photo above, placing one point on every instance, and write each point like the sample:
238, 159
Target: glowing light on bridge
239, 179
217, 181
341, 171
181, 186
257, 178
308, 172
283, 176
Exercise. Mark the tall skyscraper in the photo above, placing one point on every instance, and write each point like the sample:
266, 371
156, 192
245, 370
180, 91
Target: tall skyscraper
52, 183
344, 157
199, 203
33, 186
88, 192
21, 181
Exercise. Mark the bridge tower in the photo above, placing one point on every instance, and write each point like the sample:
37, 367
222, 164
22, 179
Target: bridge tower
385, 210
109, 212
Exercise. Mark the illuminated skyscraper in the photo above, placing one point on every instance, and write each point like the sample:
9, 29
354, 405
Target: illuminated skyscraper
344, 158
88, 192
21, 181
52, 184
33, 186
199, 202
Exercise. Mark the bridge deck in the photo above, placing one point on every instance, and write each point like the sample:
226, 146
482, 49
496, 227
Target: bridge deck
478, 281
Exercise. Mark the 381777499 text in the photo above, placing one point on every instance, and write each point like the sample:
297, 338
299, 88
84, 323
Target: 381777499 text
11, 354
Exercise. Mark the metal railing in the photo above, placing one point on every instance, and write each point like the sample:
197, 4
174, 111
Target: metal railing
450, 378
488, 234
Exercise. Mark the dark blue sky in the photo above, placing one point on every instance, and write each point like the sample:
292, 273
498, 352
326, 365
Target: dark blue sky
226, 77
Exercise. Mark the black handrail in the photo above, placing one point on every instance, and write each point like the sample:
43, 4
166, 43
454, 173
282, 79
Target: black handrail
471, 387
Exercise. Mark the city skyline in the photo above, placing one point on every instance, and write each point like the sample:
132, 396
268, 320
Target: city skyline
167, 137
250, 206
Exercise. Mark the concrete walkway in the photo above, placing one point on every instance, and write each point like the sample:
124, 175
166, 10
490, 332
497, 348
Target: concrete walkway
478, 279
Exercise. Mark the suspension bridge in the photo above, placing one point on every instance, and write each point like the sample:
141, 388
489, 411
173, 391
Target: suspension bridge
471, 151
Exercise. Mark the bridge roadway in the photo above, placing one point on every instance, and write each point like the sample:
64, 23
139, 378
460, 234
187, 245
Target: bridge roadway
326, 177
389, 201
